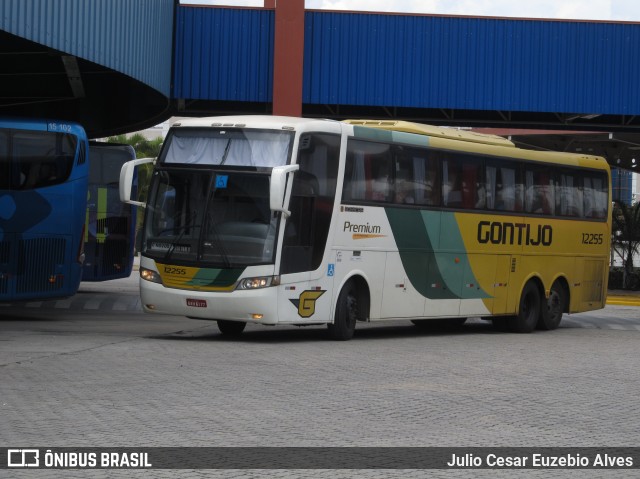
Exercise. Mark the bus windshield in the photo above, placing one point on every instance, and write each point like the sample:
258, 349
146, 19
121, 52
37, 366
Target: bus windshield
215, 218
34, 159
231, 147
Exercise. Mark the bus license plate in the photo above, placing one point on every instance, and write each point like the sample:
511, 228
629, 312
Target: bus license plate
197, 303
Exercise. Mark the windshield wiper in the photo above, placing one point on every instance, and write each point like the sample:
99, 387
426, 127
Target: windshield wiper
226, 152
172, 248
222, 252
183, 230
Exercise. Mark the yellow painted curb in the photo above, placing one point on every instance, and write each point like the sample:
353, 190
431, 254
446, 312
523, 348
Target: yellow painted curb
619, 300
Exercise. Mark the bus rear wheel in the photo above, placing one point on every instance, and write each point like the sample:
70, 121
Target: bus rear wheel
344, 322
553, 308
529, 311
231, 328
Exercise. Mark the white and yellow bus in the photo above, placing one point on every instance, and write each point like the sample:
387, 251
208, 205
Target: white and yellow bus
276, 220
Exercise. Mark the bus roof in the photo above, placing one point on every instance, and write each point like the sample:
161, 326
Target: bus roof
439, 137
257, 121
450, 138
435, 131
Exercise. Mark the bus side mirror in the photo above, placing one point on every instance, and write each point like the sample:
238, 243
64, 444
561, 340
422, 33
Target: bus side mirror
126, 180
278, 186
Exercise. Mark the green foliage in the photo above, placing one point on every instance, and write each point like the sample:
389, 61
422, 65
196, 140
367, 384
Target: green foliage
144, 149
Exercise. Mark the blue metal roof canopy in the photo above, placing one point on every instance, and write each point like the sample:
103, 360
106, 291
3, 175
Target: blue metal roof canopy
437, 69
104, 63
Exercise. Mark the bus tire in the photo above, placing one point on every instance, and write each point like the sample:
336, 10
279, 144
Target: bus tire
231, 328
552, 309
529, 311
344, 322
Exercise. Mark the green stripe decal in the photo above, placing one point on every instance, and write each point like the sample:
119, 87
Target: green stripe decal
436, 274
214, 277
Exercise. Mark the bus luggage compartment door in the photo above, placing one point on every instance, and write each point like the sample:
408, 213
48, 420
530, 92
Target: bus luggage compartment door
501, 284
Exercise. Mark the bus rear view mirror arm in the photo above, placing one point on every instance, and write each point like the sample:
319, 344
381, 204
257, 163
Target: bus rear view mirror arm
278, 186
126, 180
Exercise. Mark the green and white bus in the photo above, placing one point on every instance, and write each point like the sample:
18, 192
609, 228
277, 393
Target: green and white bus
276, 220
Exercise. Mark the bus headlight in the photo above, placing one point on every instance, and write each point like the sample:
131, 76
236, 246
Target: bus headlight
259, 282
150, 275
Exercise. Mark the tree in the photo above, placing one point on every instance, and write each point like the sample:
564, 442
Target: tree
144, 148
626, 236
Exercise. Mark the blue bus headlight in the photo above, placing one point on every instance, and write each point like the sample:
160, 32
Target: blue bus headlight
259, 282
150, 275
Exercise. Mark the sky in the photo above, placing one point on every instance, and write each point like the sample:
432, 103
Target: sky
617, 10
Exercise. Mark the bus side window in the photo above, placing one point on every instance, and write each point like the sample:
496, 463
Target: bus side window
569, 200
473, 189
431, 181
595, 196
380, 189
451, 184
368, 172
354, 185
503, 187
416, 176
463, 182
404, 185
539, 192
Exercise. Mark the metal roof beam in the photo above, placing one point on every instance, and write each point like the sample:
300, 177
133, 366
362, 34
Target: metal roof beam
73, 74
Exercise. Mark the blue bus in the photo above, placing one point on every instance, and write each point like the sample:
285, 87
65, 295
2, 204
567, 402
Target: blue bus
43, 198
110, 224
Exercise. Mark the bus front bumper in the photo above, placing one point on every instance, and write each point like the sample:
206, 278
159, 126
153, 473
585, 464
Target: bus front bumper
256, 306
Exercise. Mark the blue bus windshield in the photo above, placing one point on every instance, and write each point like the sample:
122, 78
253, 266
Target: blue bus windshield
31, 160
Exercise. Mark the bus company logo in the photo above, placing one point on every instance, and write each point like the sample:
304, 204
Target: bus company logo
23, 458
496, 232
362, 231
306, 302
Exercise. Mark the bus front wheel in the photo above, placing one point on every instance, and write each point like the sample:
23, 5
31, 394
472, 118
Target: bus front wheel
231, 328
344, 322
553, 308
529, 311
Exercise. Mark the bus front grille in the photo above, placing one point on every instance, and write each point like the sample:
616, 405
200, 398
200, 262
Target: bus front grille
40, 262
